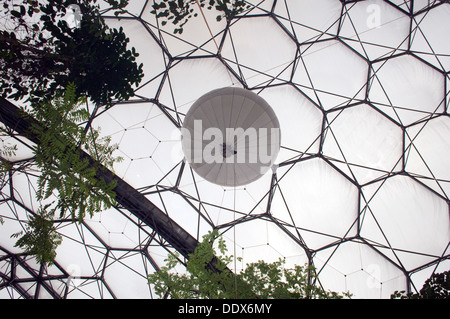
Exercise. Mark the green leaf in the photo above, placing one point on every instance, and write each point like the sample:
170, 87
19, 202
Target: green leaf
16, 13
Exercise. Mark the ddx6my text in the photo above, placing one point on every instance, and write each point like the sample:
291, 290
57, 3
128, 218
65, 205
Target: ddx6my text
235, 308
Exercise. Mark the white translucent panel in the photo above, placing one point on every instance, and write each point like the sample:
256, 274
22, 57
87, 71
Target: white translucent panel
404, 5
406, 89
105, 7
260, 50
124, 125
318, 200
134, 8
9, 293
148, 142
181, 211
125, 116
193, 184
24, 187
309, 20
402, 214
300, 120
143, 172
365, 144
114, 229
427, 42
159, 254
375, 28
419, 5
10, 214
168, 152
218, 203
89, 289
126, 274
428, 151
331, 74
58, 285
203, 76
44, 294
260, 6
270, 245
80, 252
138, 136
359, 269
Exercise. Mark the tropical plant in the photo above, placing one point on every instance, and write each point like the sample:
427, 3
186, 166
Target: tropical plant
207, 277
41, 238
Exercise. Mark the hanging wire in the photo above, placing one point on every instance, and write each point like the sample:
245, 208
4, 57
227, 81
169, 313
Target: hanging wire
213, 37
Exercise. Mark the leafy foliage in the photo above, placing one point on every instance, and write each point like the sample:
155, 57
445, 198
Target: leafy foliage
435, 287
69, 181
41, 238
38, 58
180, 11
64, 169
208, 277
8, 150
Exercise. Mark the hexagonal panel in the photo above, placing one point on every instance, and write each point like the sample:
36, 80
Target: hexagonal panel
307, 20
406, 89
375, 28
138, 143
300, 121
365, 144
189, 79
265, 53
407, 219
318, 200
331, 74
427, 39
428, 152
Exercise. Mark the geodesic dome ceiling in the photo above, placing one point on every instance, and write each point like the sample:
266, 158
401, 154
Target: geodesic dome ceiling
360, 187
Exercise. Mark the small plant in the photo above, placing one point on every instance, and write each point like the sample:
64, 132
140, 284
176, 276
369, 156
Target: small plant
41, 238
